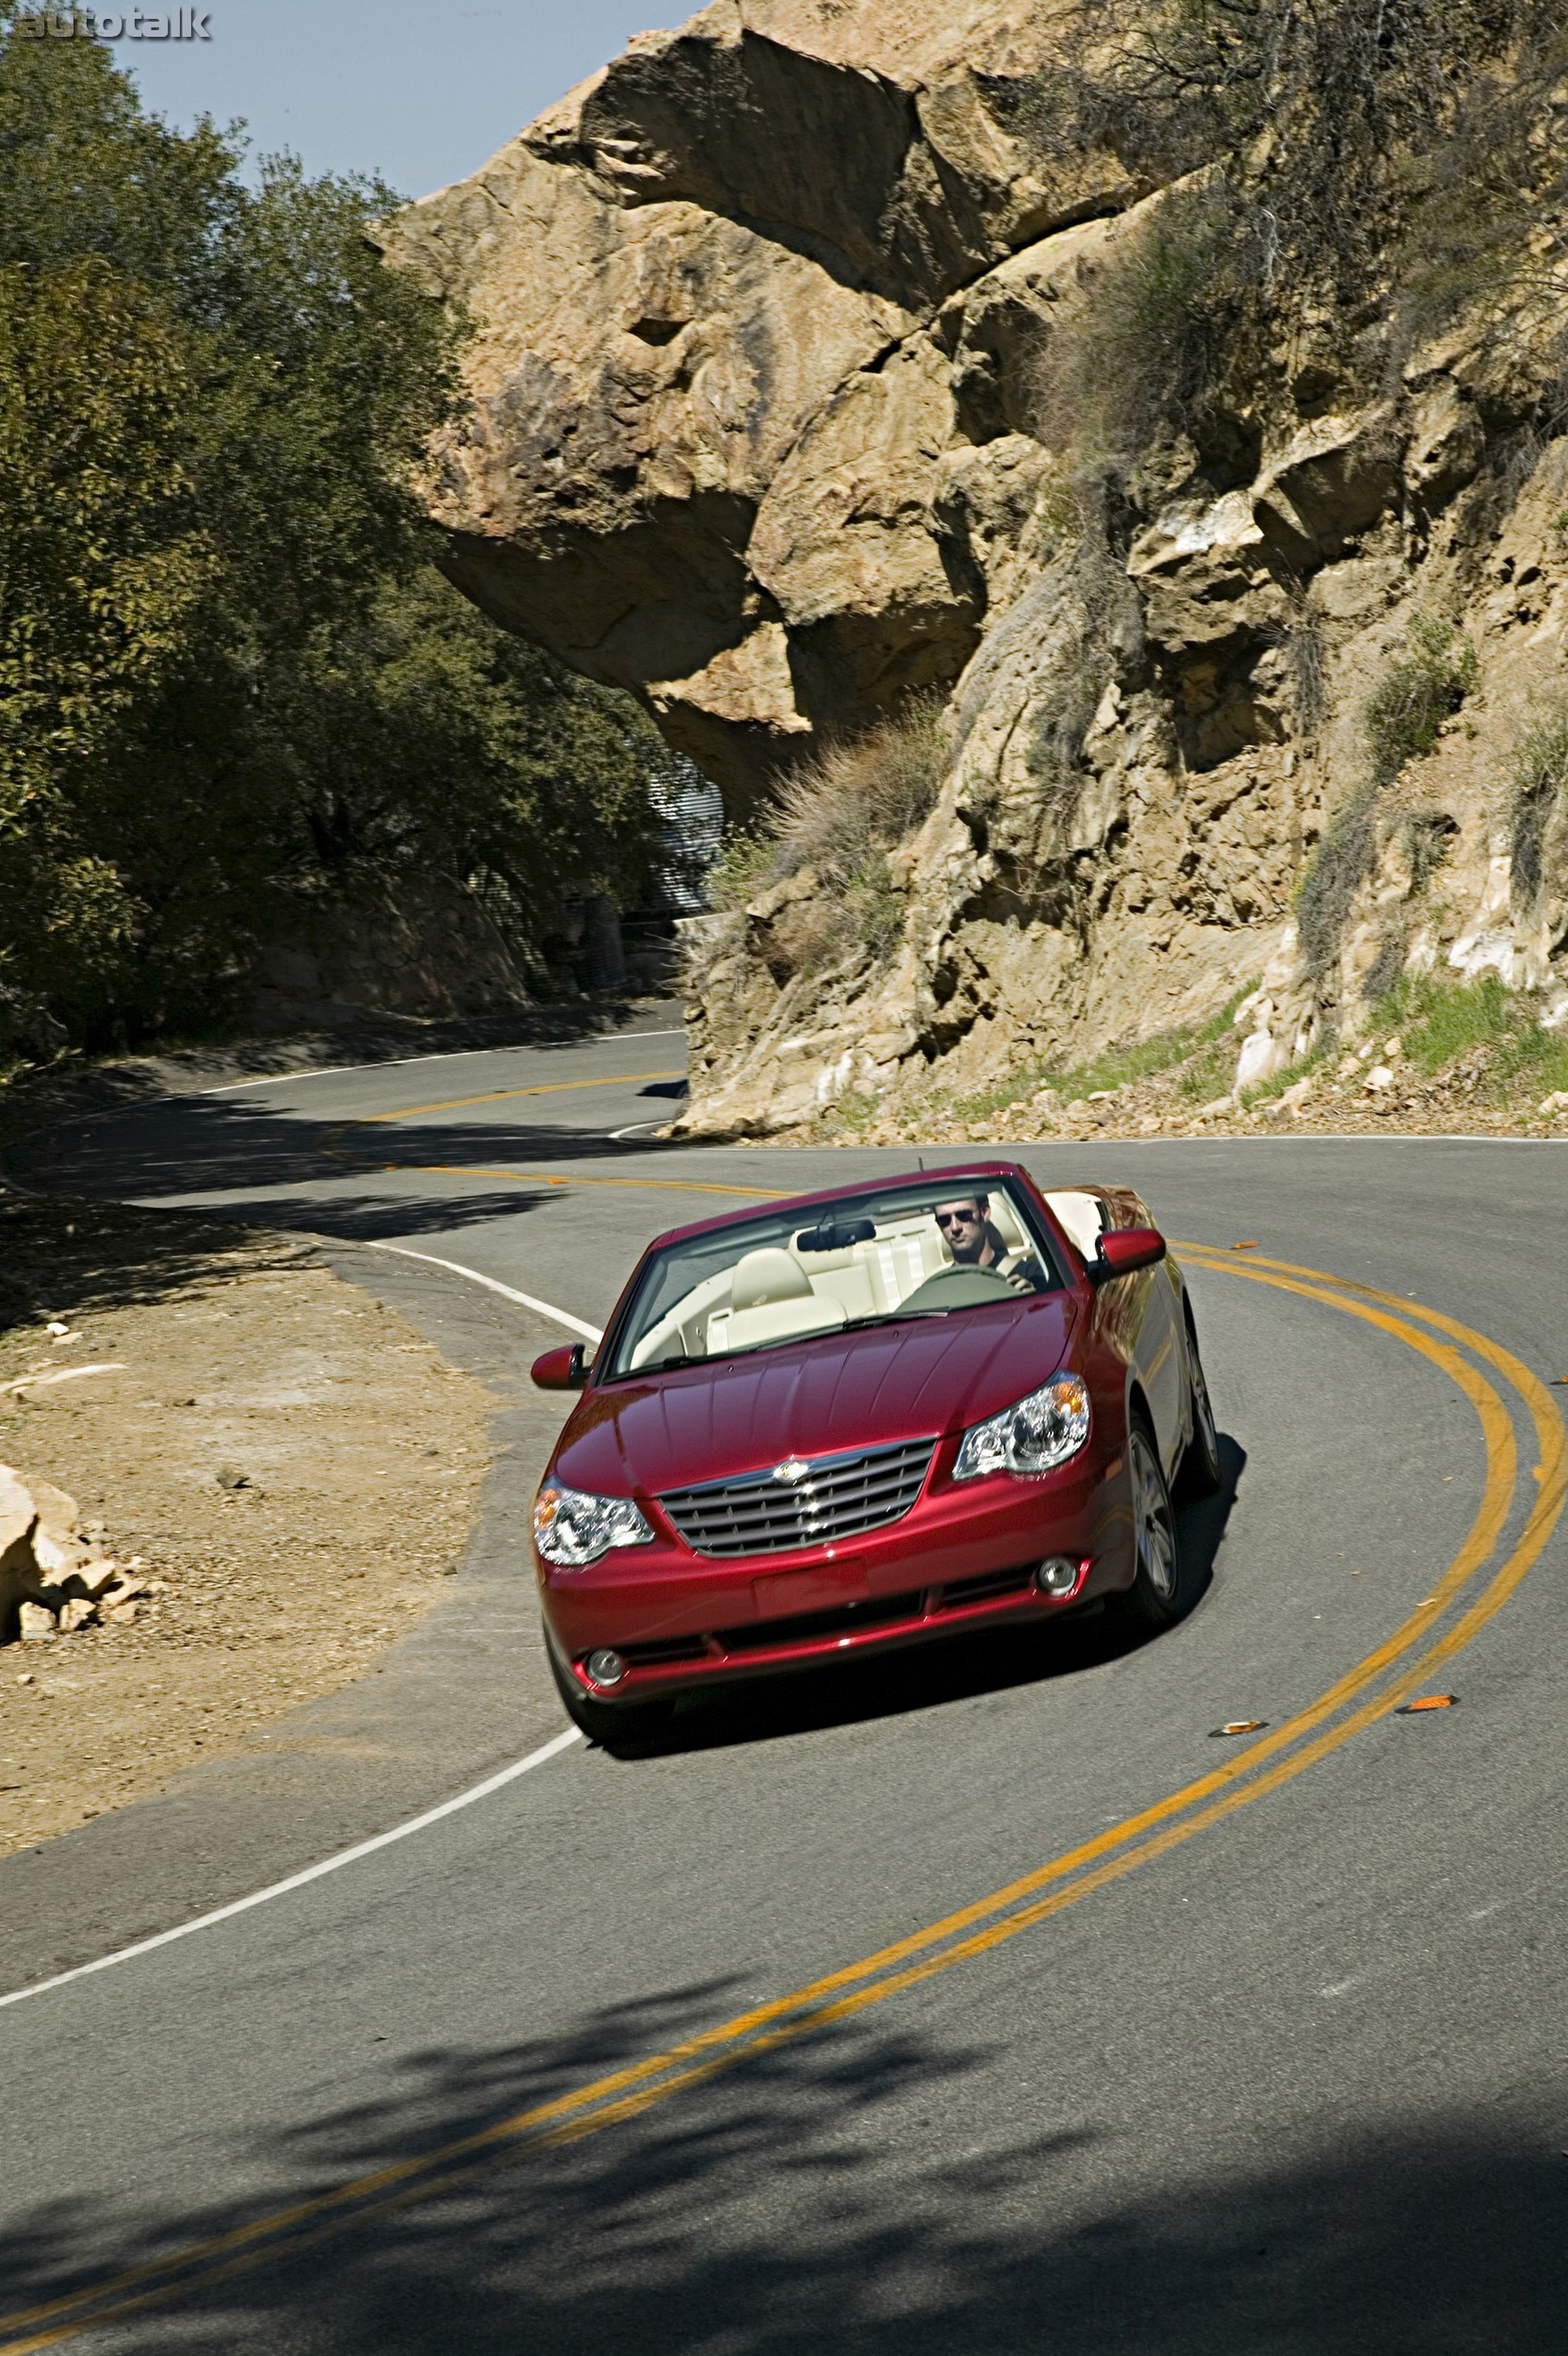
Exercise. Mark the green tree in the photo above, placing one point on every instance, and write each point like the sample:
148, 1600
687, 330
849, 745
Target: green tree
229, 673
102, 565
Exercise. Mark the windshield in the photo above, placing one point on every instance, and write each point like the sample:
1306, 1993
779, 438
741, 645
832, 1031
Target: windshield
933, 1249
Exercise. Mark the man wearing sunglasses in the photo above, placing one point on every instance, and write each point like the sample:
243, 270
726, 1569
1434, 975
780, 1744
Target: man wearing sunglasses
974, 1242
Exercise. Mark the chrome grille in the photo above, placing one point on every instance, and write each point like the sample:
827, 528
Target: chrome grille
801, 1503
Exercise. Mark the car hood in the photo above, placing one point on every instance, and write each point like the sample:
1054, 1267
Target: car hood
901, 1382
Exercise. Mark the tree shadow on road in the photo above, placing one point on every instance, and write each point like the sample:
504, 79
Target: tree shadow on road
206, 1146
71, 1255
855, 2191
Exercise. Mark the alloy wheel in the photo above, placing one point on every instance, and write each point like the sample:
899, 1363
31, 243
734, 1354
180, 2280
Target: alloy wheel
1155, 1532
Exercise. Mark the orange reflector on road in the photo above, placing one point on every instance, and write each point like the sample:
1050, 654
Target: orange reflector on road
1250, 1245
1427, 1701
1240, 1726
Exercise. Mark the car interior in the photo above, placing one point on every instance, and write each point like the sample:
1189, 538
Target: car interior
784, 1292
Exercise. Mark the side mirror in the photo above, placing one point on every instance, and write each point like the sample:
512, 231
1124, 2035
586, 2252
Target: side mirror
566, 1370
1123, 1249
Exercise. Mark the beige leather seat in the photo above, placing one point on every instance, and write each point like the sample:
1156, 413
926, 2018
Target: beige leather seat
771, 1300
1082, 1215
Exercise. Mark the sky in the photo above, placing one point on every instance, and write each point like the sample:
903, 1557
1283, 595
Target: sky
421, 91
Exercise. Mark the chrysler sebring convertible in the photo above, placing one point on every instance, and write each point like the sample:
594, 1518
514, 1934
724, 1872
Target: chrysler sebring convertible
866, 1418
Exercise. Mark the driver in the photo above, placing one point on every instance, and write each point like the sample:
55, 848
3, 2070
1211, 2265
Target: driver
975, 1242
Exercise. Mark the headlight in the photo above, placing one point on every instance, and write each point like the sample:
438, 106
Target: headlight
572, 1529
1038, 1434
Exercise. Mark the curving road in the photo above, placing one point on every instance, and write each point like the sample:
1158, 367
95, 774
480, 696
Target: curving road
982, 2001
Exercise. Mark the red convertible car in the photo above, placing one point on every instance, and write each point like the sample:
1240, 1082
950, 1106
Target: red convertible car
863, 1419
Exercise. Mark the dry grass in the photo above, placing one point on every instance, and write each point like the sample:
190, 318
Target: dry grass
1540, 782
839, 815
1422, 687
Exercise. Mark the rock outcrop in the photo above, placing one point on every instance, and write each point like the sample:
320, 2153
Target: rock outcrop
706, 458
51, 1578
765, 310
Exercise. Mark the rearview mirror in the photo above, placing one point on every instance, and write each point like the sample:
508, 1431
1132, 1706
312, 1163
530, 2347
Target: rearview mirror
1123, 1249
836, 1234
563, 1369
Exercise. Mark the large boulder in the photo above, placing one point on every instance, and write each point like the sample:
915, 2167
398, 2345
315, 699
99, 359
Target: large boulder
714, 390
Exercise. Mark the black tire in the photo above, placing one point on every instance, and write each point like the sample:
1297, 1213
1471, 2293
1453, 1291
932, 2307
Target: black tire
1200, 1474
1154, 1597
612, 1725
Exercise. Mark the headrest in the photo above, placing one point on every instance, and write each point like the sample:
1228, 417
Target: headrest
1082, 1215
763, 1277
1006, 1225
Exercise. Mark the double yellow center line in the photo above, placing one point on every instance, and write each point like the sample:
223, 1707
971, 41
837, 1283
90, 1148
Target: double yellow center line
1370, 1689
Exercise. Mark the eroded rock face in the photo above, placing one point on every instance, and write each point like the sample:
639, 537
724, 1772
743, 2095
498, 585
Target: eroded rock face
715, 406
1050, 912
758, 433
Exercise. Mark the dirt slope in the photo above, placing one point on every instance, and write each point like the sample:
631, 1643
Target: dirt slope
290, 1470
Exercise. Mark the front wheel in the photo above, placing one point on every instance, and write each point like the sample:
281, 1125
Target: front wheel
609, 1724
1154, 1597
1200, 1474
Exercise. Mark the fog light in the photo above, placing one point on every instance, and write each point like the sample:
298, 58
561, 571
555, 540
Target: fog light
605, 1668
1057, 1577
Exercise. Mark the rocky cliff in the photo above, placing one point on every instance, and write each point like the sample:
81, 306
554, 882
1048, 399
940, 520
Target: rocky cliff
1202, 470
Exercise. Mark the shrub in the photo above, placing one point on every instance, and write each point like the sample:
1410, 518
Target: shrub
1303, 644
1404, 712
1418, 692
1143, 349
865, 794
1539, 778
840, 815
1338, 867
744, 867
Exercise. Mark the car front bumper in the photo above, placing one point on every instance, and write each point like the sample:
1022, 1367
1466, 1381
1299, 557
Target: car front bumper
965, 1555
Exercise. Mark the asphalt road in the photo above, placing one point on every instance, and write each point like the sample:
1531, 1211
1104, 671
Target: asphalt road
1278, 2066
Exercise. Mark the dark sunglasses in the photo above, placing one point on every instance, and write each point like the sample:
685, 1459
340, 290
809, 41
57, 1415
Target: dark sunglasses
957, 1218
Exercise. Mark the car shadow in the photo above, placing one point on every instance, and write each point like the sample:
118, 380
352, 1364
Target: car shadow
929, 1676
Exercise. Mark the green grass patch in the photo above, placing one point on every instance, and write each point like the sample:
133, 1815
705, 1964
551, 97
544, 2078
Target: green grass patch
1264, 1091
1538, 1056
854, 1114
1438, 1022
1117, 1067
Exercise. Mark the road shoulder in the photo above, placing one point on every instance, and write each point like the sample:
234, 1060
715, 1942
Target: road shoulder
465, 1693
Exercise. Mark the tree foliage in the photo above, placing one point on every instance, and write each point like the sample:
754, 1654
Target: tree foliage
231, 677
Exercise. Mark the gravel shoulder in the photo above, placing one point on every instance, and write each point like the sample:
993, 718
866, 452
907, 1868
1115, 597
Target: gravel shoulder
291, 1468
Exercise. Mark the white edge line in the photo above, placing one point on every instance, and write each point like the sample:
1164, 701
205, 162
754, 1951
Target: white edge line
526, 1301
398, 1832
312, 1873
